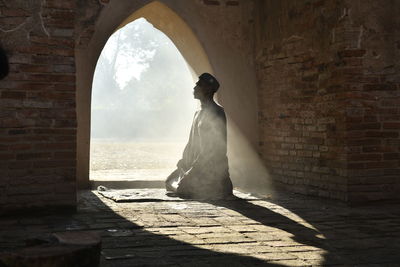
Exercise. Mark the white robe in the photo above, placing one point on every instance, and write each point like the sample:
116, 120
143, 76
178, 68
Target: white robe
203, 170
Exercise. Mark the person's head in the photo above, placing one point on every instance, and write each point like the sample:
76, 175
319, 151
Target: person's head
205, 87
4, 67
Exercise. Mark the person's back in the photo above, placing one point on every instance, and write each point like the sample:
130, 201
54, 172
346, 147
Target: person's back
203, 170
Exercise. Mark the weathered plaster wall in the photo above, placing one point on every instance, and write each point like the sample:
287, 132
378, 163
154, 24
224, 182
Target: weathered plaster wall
328, 96
37, 99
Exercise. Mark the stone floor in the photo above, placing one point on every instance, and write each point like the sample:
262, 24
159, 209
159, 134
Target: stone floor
286, 230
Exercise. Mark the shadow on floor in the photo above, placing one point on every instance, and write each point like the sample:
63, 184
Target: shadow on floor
149, 249
349, 236
346, 236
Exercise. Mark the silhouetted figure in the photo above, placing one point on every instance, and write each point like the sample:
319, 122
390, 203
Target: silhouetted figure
4, 67
203, 170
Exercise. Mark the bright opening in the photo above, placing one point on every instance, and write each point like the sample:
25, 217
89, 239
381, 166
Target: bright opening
142, 106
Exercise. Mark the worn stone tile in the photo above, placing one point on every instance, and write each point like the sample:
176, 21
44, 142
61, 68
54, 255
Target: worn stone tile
289, 263
280, 233
275, 256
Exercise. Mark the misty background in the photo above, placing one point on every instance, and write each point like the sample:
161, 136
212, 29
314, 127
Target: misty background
142, 105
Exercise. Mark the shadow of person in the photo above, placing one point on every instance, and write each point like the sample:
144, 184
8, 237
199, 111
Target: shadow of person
146, 248
300, 233
340, 235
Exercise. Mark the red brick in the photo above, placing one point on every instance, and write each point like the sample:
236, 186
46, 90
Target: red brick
33, 155
361, 142
381, 164
46, 59
34, 49
8, 139
54, 163
211, 2
12, 123
379, 87
315, 141
61, 4
8, 12
55, 132
65, 123
58, 95
19, 147
391, 125
383, 134
59, 22
35, 68
390, 102
391, 156
51, 78
13, 94
64, 138
64, 68
232, 3
393, 171
59, 42
371, 118
20, 165
390, 117
9, 22
65, 87
365, 157
55, 146
363, 126
64, 155
388, 111
7, 156
352, 53
356, 165
351, 61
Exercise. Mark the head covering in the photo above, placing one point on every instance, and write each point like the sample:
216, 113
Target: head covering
209, 80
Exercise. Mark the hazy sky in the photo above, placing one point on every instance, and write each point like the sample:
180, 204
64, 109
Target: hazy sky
142, 87
128, 66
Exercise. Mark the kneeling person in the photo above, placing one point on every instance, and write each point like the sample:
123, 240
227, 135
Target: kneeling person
203, 170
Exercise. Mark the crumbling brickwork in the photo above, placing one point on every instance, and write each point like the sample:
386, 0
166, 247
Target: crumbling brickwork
328, 97
37, 99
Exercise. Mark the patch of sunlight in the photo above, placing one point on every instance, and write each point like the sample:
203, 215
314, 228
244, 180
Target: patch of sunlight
224, 230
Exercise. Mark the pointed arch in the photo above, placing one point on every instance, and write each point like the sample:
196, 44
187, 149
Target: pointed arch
170, 23
112, 18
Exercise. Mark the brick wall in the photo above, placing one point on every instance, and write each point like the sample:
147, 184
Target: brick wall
301, 113
373, 101
328, 95
37, 99
328, 89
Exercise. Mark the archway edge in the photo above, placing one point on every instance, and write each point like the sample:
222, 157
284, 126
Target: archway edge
163, 18
166, 20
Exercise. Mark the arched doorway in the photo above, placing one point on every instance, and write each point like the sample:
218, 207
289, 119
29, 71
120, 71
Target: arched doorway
164, 19
142, 108
205, 50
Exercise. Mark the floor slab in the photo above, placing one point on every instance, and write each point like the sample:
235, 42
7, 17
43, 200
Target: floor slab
283, 230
